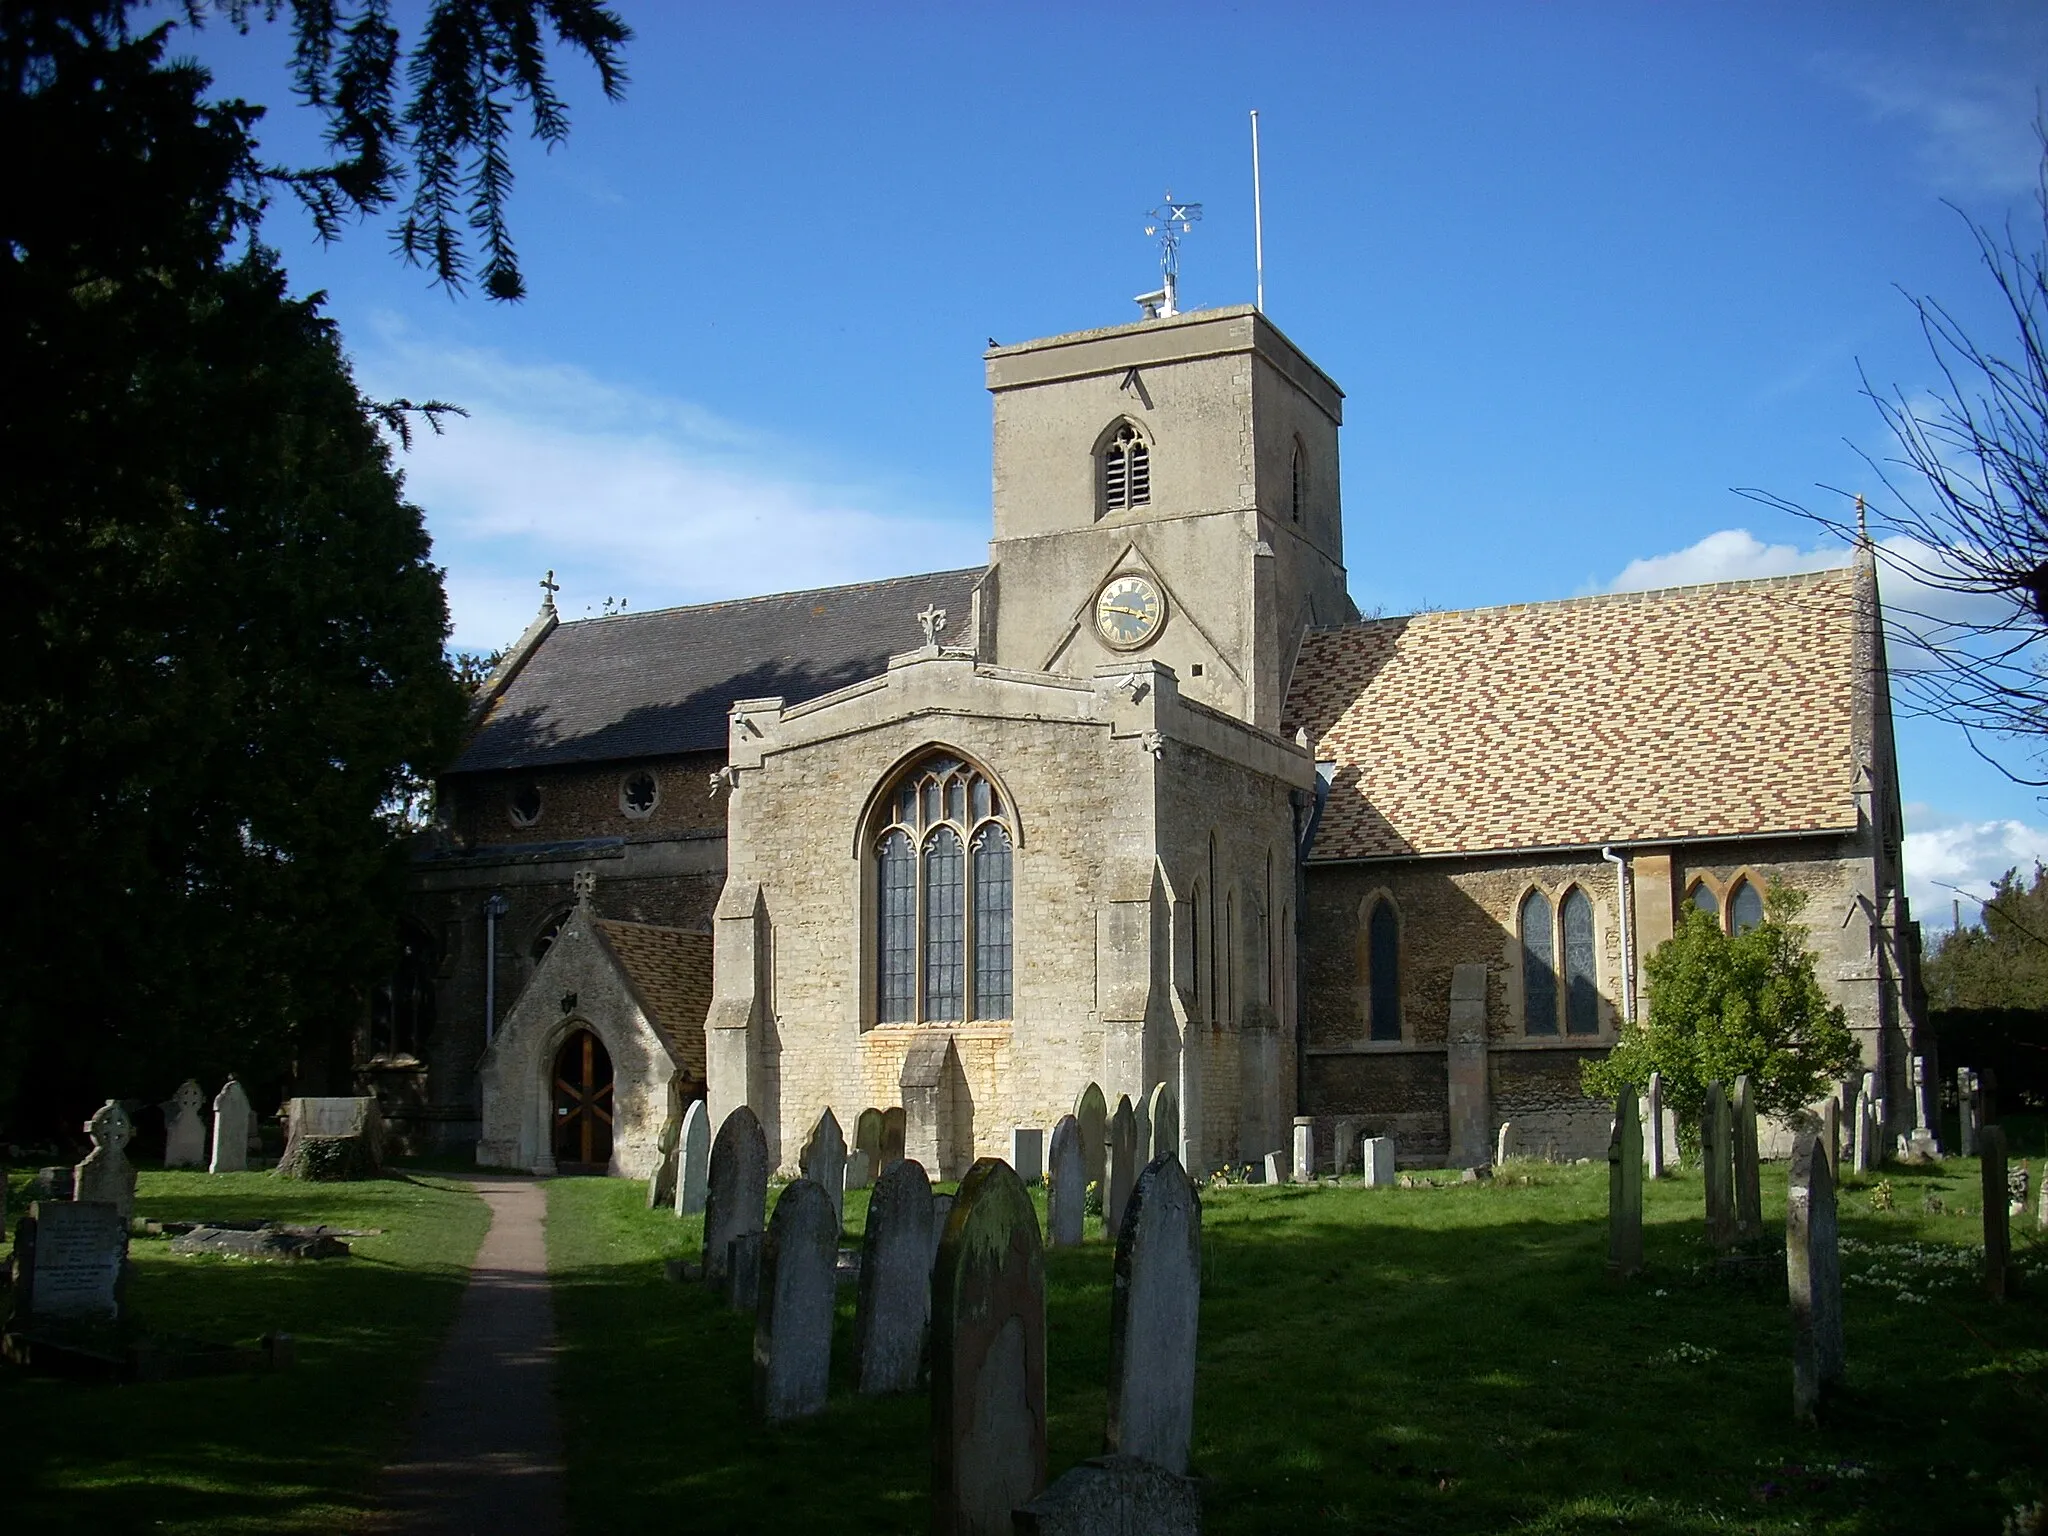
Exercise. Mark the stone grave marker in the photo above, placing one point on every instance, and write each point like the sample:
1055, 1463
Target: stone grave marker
1304, 1149
1504, 1143
1091, 1111
1345, 1135
1155, 1304
799, 1291
942, 1212
736, 1191
1625, 1188
1378, 1154
230, 1129
1717, 1164
1123, 1165
1141, 1123
824, 1162
743, 1270
1749, 1195
1272, 1169
1653, 1109
1066, 1191
1163, 1115
69, 1257
661, 1184
1966, 1110
1990, 1142
1813, 1273
1863, 1144
858, 1174
332, 1139
185, 1127
106, 1177
893, 1304
1027, 1153
988, 1356
1831, 1135
693, 1159
867, 1137
894, 1119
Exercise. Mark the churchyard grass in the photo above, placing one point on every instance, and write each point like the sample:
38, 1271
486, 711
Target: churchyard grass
1409, 1360
293, 1451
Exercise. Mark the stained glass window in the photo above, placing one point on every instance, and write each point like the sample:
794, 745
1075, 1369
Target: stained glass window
1745, 907
931, 909
945, 917
1539, 967
992, 923
1582, 991
1383, 942
896, 941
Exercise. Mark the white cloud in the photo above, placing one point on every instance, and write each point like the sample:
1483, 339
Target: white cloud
1733, 554
1946, 857
624, 493
1975, 125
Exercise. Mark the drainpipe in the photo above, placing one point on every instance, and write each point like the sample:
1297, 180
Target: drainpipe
494, 909
1628, 942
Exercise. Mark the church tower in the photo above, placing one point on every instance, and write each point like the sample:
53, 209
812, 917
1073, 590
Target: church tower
1167, 491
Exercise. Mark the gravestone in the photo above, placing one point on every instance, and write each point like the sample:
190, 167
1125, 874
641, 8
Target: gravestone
661, 1184
1863, 1143
1273, 1175
693, 1159
1091, 1111
106, 1177
1717, 1165
1919, 1144
799, 1291
893, 1304
332, 1140
1504, 1143
1115, 1496
1378, 1156
893, 1123
1467, 1067
1831, 1135
858, 1174
1304, 1149
1027, 1153
1141, 1121
1123, 1165
867, 1137
185, 1127
1966, 1110
736, 1190
1625, 1188
1998, 1275
1348, 1130
1653, 1109
942, 1212
988, 1356
1813, 1273
1066, 1192
1749, 1195
1162, 1113
824, 1162
743, 1271
69, 1257
1155, 1303
230, 1129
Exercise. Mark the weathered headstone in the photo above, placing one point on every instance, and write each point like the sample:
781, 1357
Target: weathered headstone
1163, 1116
1997, 1213
1919, 1144
1378, 1156
1966, 1110
1027, 1152
332, 1140
799, 1291
1091, 1111
1653, 1109
894, 1121
69, 1258
858, 1174
1831, 1136
1155, 1303
1273, 1172
1304, 1149
1813, 1273
106, 1177
1345, 1134
661, 1184
1141, 1122
1123, 1165
867, 1137
230, 1129
693, 1159
1862, 1147
1504, 1143
185, 1127
736, 1191
942, 1212
1717, 1165
894, 1300
824, 1162
1066, 1186
742, 1279
1749, 1195
988, 1357
1625, 1188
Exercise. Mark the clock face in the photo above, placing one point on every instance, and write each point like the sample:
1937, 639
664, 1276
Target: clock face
1129, 612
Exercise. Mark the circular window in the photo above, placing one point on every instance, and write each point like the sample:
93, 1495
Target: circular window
526, 804
638, 794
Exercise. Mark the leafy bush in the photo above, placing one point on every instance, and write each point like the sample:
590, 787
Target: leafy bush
1723, 1005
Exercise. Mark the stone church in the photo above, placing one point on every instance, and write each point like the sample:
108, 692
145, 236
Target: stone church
1142, 800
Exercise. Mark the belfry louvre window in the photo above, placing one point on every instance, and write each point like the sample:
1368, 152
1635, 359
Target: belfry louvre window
944, 940
1126, 471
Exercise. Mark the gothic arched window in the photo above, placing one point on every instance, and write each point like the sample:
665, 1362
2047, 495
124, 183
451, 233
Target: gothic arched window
402, 1007
1745, 907
1581, 988
1539, 966
1383, 971
1705, 900
1126, 470
944, 941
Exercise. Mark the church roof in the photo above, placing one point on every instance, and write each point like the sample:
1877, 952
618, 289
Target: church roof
669, 971
659, 683
1707, 711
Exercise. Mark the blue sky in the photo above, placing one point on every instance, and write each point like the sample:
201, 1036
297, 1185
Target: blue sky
1580, 268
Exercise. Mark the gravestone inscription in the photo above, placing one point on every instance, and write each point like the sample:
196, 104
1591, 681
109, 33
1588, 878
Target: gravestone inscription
793, 1318
736, 1191
892, 1305
68, 1260
1066, 1192
1154, 1310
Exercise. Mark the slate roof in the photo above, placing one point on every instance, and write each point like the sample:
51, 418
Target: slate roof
1689, 712
669, 970
658, 683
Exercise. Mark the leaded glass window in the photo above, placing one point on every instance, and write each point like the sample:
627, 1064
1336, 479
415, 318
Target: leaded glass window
1745, 907
1539, 966
1704, 900
1581, 988
944, 940
1383, 959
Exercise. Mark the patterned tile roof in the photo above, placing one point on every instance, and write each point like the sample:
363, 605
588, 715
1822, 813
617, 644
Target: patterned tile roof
670, 973
1688, 712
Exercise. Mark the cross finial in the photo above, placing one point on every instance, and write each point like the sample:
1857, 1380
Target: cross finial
584, 884
932, 621
550, 587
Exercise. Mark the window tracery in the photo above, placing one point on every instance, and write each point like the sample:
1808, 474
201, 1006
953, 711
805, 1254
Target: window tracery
1126, 461
944, 934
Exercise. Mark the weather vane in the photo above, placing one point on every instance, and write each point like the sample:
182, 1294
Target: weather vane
1168, 222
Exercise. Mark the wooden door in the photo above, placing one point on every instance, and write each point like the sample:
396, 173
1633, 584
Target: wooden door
583, 1105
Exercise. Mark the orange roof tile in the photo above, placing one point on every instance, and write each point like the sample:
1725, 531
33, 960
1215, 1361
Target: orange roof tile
670, 972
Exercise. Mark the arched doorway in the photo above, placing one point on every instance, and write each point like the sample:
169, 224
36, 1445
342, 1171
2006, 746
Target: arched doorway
583, 1105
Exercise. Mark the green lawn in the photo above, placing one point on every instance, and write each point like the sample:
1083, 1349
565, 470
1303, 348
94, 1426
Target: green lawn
291, 1452
1444, 1359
